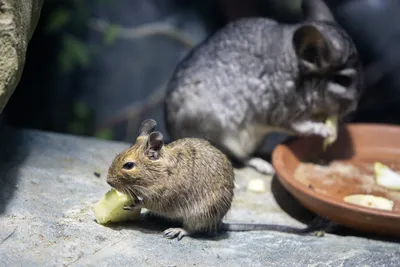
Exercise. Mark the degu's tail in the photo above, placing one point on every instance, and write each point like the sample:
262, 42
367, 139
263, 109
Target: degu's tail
318, 224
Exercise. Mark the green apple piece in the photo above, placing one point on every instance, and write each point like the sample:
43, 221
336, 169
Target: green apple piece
386, 177
331, 121
370, 201
109, 209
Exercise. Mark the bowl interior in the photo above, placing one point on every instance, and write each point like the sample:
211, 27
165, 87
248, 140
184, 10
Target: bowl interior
345, 168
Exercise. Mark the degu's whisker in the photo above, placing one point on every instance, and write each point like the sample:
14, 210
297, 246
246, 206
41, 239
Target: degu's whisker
146, 191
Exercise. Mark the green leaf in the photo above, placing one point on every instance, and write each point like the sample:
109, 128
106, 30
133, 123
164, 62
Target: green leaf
81, 111
76, 127
75, 52
58, 19
104, 134
111, 33
65, 61
78, 50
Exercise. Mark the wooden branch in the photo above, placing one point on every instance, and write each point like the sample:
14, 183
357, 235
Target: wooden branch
136, 109
145, 30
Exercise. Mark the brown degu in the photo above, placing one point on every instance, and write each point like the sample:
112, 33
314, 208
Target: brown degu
188, 181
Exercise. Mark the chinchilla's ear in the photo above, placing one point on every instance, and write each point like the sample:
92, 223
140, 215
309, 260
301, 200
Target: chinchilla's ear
316, 10
154, 145
312, 48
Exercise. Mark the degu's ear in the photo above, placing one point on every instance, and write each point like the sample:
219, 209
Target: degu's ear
147, 127
154, 145
311, 48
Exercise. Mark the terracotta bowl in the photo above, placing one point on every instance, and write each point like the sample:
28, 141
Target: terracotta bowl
358, 146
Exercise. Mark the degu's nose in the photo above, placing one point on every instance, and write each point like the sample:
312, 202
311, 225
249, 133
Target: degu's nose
111, 181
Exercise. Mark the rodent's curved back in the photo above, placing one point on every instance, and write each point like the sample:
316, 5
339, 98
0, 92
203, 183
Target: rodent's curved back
202, 154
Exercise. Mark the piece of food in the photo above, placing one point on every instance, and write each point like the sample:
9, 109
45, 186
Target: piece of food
386, 177
256, 185
109, 209
332, 122
370, 201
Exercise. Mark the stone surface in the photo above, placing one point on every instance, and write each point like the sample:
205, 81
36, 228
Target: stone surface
48, 188
18, 19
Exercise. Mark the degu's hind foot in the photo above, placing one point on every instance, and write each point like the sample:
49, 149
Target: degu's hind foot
177, 233
261, 166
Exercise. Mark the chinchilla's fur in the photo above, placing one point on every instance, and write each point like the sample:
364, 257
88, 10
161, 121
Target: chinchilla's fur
256, 75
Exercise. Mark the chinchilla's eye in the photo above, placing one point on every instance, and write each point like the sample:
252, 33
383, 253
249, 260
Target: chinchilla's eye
128, 165
343, 80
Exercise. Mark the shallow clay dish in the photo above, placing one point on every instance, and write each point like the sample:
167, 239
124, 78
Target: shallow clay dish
359, 145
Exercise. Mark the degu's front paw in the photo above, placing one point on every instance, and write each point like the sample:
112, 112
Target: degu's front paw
138, 203
129, 207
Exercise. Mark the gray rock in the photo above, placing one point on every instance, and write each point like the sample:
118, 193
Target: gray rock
18, 19
48, 190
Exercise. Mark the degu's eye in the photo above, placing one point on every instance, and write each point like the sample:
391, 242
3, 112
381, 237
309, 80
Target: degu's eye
128, 165
343, 80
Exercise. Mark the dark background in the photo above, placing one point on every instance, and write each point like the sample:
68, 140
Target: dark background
97, 67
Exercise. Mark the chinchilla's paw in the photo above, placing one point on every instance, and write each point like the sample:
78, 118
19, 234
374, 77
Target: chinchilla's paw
313, 128
324, 130
261, 166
